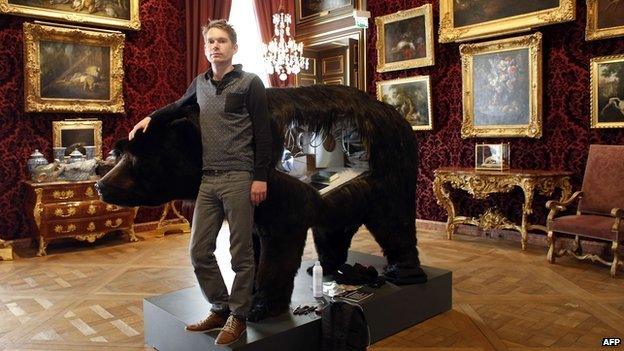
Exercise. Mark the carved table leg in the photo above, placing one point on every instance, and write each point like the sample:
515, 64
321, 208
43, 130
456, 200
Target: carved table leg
164, 226
6, 251
160, 225
185, 223
566, 188
528, 187
131, 235
443, 198
42, 247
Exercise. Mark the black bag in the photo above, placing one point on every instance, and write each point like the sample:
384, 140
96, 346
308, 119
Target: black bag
344, 328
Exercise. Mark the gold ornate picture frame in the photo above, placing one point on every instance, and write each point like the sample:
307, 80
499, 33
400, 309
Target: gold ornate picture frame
502, 88
318, 11
607, 91
463, 20
605, 19
123, 14
411, 97
86, 132
405, 39
72, 70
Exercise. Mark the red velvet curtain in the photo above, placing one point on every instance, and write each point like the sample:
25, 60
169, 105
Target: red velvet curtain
198, 12
265, 10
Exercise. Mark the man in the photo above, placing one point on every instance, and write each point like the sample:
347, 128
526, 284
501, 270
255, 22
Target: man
236, 144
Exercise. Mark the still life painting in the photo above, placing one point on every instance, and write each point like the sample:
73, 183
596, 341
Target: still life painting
501, 83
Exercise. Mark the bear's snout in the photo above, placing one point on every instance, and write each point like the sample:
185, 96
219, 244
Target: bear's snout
109, 194
97, 188
103, 191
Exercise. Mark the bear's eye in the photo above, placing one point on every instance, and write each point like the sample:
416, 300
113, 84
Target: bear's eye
129, 158
135, 160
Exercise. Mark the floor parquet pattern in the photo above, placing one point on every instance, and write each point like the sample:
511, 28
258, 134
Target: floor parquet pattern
89, 297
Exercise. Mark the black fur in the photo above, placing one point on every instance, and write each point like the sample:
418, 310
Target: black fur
165, 164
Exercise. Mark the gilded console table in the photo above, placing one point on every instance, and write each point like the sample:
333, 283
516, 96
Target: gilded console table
480, 184
64, 209
6, 251
179, 223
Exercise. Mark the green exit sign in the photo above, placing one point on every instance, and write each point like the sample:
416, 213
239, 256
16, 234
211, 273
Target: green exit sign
361, 18
361, 22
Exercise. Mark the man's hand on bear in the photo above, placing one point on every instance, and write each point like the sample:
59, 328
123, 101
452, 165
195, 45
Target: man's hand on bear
258, 192
141, 125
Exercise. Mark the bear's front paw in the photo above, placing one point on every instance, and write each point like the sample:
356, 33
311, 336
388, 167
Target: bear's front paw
327, 270
257, 314
262, 309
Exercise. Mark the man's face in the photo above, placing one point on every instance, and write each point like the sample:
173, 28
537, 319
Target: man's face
218, 46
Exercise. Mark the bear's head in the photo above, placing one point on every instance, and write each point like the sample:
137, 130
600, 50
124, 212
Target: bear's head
155, 167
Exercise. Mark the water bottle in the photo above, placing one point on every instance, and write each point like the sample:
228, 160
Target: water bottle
317, 280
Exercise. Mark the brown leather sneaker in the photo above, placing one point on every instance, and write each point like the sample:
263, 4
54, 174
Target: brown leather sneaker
214, 321
233, 329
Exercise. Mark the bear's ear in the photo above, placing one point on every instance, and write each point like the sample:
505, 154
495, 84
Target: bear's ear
143, 142
186, 132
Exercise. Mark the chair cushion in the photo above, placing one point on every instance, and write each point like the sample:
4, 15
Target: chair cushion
598, 227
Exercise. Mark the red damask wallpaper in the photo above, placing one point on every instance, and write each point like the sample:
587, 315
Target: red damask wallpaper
566, 132
154, 60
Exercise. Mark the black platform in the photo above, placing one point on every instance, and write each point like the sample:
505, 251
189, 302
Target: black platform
391, 309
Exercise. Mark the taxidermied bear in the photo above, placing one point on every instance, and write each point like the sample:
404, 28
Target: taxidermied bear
165, 163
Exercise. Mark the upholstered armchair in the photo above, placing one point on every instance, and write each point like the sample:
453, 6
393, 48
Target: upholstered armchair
600, 207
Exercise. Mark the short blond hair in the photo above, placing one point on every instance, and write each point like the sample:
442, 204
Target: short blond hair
220, 24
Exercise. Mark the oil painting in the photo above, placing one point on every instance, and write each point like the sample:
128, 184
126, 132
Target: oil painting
411, 97
78, 132
605, 19
405, 39
307, 10
501, 83
607, 92
462, 20
72, 70
109, 13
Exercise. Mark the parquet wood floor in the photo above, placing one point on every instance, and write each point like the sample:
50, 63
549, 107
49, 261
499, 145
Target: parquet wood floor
89, 297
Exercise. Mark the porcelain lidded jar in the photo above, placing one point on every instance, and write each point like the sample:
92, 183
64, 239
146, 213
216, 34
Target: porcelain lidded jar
75, 156
36, 159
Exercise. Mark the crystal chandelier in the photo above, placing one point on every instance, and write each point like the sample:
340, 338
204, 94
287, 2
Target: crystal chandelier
283, 55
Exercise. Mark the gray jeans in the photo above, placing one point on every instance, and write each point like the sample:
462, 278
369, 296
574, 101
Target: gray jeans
225, 195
